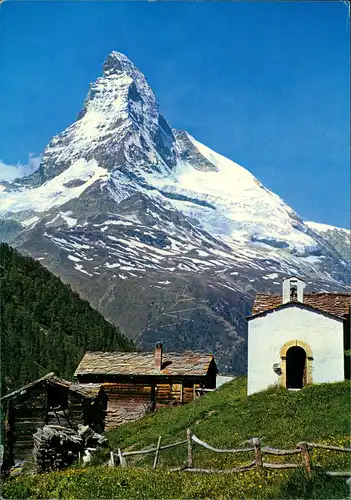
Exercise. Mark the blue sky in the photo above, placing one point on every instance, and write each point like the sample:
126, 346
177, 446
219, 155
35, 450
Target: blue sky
266, 84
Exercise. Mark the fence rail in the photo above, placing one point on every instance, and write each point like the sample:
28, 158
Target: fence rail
152, 450
303, 448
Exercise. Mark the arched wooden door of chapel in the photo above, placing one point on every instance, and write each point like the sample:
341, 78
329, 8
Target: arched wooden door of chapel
295, 367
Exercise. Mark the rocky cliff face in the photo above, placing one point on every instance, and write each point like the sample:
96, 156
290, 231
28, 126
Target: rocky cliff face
167, 238
337, 237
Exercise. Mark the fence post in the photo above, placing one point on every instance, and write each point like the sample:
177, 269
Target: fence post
111, 462
258, 454
122, 459
306, 457
157, 452
190, 448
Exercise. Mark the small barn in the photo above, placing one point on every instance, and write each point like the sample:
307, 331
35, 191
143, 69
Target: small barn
48, 400
297, 338
139, 382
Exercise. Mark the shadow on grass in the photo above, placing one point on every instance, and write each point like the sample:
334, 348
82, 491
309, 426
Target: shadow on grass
318, 485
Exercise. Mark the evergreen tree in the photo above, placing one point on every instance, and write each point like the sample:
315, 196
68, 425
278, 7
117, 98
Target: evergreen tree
45, 326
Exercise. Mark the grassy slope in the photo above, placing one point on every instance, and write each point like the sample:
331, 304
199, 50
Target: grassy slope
224, 418
228, 417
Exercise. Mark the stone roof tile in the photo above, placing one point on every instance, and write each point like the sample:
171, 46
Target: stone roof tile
337, 304
143, 363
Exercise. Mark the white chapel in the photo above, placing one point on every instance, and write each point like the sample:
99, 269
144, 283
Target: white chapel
297, 338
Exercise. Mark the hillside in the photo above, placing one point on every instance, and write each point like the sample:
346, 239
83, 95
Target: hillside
225, 418
45, 326
228, 417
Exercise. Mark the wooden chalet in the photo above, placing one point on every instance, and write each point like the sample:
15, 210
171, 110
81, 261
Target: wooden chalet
138, 382
48, 400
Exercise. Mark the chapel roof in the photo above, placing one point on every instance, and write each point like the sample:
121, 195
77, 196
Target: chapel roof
336, 304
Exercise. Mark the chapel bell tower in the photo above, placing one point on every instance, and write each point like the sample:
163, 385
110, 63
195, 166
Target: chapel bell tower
293, 290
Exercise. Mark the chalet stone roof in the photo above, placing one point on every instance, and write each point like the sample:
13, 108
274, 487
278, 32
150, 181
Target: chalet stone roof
143, 363
336, 304
87, 390
50, 378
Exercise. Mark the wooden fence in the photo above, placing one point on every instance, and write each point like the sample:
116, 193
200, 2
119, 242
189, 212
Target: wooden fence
303, 449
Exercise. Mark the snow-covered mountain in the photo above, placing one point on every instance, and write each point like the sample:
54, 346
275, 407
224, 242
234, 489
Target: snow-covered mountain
166, 237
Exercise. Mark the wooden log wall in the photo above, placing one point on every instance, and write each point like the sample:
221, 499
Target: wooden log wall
130, 400
68, 417
175, 392
189, 392
168, 392
124, 410
29, 413
67, 408
127, 402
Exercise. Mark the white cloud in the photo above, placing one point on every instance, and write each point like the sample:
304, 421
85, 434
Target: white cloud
11, 172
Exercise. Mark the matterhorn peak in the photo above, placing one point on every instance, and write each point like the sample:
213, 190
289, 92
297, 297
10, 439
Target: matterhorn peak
116, 62
119, 116
117, 66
